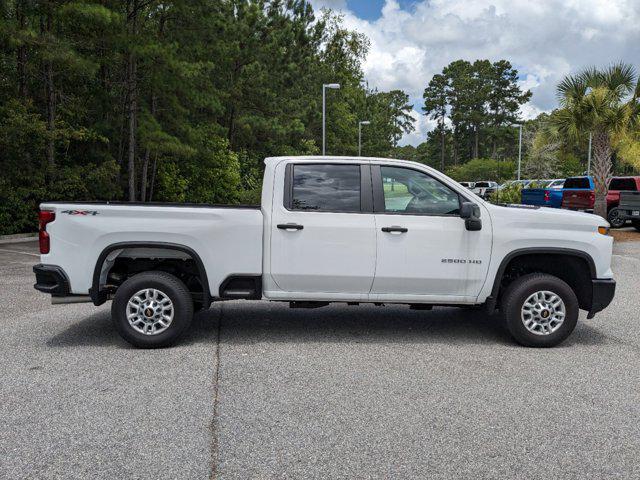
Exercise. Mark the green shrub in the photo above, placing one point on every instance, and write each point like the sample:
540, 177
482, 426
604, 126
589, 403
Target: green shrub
510, 194
483, 169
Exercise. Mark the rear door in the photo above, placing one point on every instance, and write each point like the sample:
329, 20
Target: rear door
323, 236
424, 251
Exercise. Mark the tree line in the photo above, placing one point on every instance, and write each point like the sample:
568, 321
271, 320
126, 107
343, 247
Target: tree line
181, 100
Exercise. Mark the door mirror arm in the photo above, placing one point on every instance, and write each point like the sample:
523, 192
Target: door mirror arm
470, 212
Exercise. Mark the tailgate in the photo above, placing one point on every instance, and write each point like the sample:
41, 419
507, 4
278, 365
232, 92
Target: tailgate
630, 200
578, 199
533, 196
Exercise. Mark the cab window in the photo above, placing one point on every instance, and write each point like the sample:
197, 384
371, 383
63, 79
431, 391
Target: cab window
326, 188
409, 191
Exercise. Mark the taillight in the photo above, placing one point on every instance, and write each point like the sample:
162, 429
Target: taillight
44, 217
547, 195
592, 198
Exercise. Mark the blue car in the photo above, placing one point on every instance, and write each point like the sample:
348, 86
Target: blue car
549, 195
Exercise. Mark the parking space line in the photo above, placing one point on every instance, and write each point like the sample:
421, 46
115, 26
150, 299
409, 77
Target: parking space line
18, 251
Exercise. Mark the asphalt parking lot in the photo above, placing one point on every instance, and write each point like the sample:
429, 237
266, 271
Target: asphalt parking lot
257, 390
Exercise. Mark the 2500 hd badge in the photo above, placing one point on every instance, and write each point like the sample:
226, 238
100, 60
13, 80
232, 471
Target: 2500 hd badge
461, 260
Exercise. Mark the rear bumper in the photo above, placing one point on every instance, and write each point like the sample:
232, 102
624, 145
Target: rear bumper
603, 291
627, 213
51, 279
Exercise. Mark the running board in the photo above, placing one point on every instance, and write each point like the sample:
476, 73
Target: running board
71, 299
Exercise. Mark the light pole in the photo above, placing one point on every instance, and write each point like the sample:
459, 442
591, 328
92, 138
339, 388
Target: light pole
519, 125
324, 109
364, 122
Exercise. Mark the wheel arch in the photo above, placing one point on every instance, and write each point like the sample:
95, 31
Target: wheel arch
543, 253
99, 296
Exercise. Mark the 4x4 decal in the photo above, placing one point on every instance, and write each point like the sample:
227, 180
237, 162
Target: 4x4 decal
80, 212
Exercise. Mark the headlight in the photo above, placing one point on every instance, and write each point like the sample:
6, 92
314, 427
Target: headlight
603, 230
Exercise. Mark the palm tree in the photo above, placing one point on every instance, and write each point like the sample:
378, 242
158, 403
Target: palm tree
605, 104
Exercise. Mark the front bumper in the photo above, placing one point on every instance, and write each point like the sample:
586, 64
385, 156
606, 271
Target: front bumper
51, 279
603, 291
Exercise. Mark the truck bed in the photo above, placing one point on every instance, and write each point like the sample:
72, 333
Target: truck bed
228, 237
544, 197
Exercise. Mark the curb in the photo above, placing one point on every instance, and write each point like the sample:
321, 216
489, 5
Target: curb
18, 238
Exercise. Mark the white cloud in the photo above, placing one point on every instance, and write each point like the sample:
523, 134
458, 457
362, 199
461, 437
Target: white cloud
544, 39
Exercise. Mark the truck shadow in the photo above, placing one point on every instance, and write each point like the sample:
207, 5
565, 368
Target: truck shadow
253, 322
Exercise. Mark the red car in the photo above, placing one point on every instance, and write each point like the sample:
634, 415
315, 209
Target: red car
585, 199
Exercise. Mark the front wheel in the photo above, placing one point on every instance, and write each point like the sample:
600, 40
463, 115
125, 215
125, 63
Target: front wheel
152, 309
614, 219
540, 310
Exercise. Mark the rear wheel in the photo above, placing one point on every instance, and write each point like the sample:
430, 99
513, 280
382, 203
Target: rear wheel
636, 225
152, 309
540, 310
614, 219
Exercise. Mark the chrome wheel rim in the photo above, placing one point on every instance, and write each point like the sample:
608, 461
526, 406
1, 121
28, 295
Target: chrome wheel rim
150, 311
543, 312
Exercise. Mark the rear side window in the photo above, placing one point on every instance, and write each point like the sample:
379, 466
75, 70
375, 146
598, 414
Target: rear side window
577, 182
626, 184
326, 188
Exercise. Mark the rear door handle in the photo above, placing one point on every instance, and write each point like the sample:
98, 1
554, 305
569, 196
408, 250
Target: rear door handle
290, 226
395, 229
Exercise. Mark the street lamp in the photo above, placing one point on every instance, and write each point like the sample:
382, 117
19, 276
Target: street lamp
334, 86
519, 125
364, 122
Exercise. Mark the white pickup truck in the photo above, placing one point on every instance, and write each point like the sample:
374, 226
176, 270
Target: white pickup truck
330, 229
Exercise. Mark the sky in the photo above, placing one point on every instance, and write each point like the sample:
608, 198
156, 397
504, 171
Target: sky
545, 40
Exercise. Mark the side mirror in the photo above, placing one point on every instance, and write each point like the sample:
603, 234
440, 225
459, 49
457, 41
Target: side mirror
471, 214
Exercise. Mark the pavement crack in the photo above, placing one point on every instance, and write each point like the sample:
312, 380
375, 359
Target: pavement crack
214, 422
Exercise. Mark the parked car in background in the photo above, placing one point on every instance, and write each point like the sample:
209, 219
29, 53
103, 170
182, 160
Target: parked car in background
557, 184
548, 194
578, 194
469, 185
616, 186
628, 208
522, 183
582, 198
484, 189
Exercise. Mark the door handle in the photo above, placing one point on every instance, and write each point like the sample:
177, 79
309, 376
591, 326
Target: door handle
395, 229
290, 226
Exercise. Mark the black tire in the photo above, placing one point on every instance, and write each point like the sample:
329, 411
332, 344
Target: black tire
171, 287
514, 299
614, 219
636, 225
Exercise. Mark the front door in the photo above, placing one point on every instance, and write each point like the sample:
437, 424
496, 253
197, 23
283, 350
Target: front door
323, 237
424, 251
